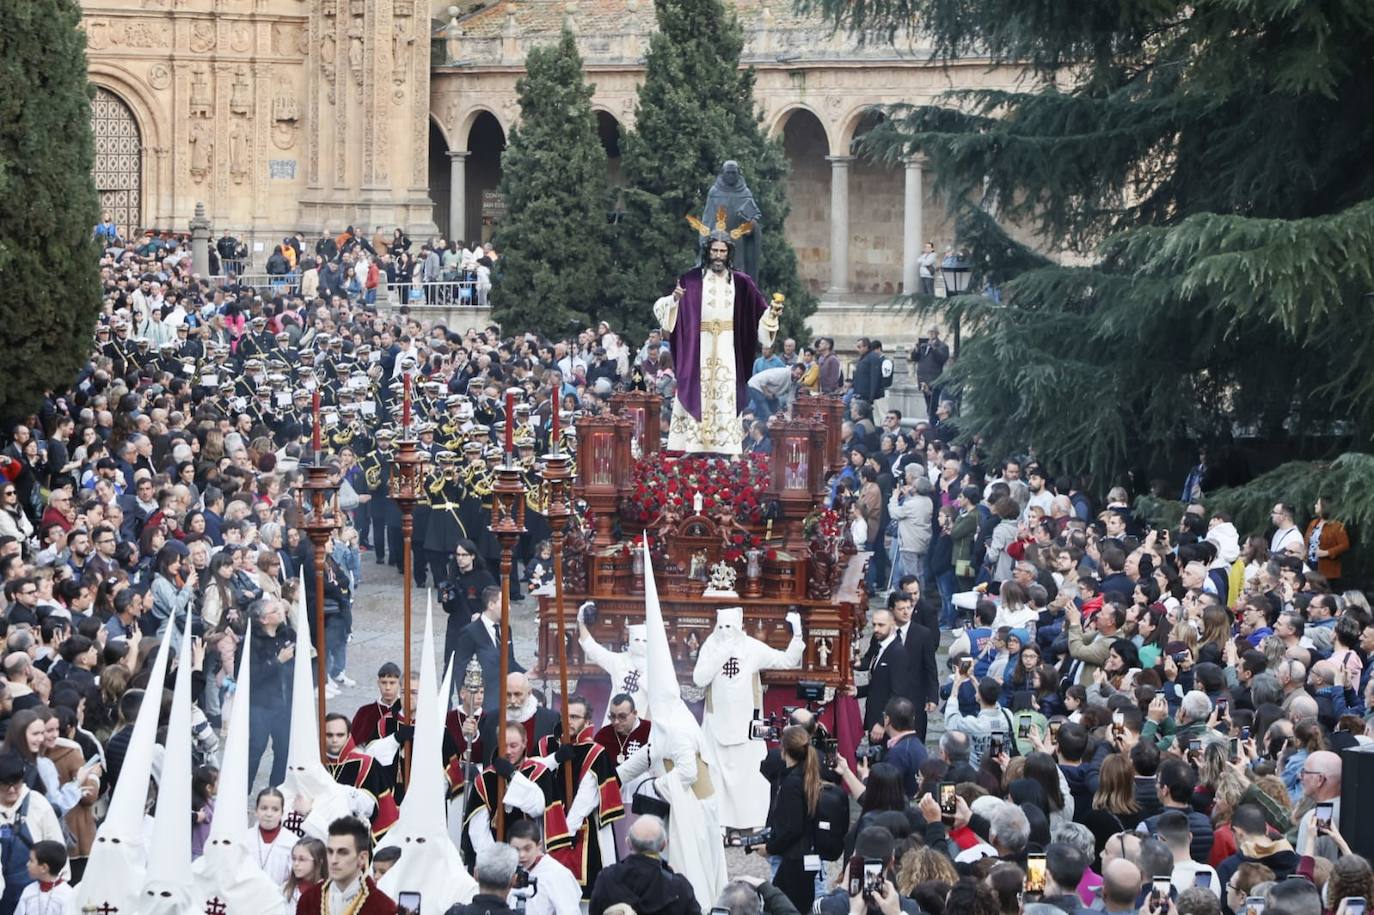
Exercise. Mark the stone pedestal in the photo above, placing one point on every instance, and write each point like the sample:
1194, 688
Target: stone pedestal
200, 241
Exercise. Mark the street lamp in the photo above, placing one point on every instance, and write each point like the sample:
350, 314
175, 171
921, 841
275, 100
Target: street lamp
954, 269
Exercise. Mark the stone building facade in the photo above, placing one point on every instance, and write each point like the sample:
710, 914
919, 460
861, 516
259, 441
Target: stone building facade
314, 114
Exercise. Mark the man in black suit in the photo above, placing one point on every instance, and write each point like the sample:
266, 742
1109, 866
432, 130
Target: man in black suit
919, 643
479, 639
889, 674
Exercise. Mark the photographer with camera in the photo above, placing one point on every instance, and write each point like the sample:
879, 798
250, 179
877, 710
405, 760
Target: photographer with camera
543, 886
793, 818
461, 595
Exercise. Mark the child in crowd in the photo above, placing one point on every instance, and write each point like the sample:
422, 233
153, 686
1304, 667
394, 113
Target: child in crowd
48, 892
267, 841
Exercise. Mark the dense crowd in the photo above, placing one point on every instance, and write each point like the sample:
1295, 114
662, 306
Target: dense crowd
1138, 717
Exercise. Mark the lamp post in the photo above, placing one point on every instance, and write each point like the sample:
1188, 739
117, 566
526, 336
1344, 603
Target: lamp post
405, 488
954, 269
507, 523
557, 474
319, 527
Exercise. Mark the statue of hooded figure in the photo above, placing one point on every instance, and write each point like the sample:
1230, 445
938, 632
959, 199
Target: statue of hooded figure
730, 191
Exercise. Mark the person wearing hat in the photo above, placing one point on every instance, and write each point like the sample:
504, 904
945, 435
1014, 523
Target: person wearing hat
385, 513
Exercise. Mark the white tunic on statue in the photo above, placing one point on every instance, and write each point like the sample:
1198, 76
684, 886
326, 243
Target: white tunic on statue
727, 666
719, 430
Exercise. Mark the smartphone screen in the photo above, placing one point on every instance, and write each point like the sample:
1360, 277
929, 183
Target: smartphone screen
1324, 811
965, 665
1035, 873
1054, 729
1353, 905
1254, 905
947, 802
1235, 748
856, 875
873, 876
1203, 879
1023, 728
408, 903
1119, 718
1159, 891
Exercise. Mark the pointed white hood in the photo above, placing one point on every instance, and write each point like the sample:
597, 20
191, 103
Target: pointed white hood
666, 709
168, 887
227, 871
118, 861
305, 773
430, 863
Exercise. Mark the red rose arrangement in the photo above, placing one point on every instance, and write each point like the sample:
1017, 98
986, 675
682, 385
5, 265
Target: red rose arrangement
739, 484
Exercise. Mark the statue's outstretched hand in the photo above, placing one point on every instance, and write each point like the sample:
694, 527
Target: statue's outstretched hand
678, 292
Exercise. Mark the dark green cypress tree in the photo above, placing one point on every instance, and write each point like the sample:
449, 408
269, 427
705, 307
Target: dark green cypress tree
49, 275
696, 110
554, 240
1206, 167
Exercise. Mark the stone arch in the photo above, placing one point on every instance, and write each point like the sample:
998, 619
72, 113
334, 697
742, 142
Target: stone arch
854, 125
441, 174
779, 121
612, 134
436, 125
806, 144
464, 127
484, 137
153, 142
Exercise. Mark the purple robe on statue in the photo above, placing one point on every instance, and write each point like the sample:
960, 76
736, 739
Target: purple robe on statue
685, 338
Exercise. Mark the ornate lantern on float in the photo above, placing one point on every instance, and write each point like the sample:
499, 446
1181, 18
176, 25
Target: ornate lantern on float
798, 468
603, 466
644, 411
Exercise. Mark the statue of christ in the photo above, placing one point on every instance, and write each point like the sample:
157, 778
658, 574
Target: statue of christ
715, 318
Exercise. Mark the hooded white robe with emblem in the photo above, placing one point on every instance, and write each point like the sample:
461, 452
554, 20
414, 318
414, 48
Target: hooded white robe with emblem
727, 667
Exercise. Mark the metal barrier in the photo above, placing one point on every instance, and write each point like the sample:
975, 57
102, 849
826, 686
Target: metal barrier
443, 294
263, 283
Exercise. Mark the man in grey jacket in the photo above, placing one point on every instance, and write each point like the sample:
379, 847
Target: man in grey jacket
912, 509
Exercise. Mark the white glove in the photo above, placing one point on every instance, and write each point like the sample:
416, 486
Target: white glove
794, 620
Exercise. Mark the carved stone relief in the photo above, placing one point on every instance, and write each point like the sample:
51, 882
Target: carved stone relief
203, 37
159, 76
241, 95
200, 92
286, 114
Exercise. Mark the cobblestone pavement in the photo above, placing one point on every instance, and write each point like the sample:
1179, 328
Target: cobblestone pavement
378, 626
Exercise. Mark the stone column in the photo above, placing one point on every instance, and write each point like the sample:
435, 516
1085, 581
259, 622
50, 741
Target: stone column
913, 227
457, 193
200, 241
839, 224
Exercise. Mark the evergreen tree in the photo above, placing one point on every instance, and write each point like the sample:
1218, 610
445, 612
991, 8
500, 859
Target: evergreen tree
696, 110
554, 240
50, 291
1206, 167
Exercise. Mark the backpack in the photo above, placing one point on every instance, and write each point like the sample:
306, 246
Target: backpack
832, 822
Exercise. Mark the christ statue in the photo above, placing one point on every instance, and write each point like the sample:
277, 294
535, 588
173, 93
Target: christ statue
715, 318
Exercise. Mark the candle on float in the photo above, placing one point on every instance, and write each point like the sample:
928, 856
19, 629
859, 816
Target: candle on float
768, 532
405, 402
510, 421
315, 411
554, 434
696, 503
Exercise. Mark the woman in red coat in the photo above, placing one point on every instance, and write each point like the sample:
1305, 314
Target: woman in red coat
1326, 542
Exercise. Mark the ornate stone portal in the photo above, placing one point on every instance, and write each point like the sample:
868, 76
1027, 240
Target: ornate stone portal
214, 97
